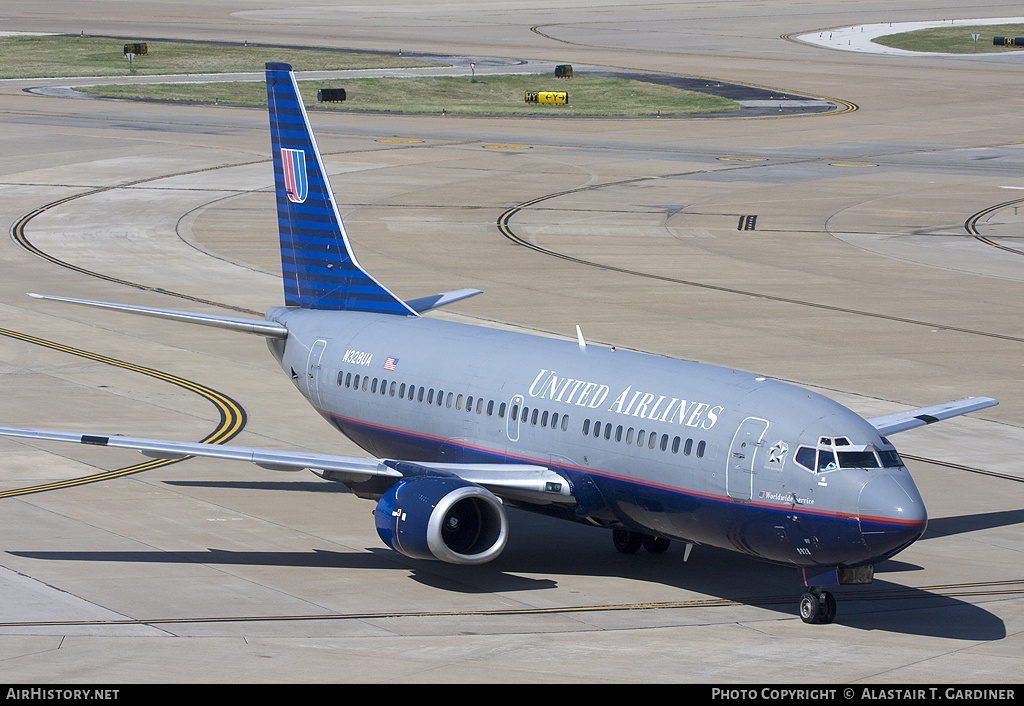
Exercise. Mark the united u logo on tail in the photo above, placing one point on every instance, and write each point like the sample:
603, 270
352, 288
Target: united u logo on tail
296, 185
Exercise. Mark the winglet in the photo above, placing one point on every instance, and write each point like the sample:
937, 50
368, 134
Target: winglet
320, 270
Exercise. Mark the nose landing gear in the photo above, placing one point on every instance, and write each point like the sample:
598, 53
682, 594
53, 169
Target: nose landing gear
817, 606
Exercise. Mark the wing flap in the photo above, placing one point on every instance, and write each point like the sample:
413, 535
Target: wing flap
512, 481
913, 418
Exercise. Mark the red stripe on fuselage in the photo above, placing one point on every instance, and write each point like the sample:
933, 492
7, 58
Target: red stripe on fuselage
848, 517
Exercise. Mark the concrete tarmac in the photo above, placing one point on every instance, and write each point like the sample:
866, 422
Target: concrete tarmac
884, 268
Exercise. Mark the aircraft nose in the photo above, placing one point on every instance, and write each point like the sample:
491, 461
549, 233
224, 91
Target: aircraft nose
892, 514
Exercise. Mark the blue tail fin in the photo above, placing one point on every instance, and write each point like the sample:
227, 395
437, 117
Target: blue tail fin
320, 270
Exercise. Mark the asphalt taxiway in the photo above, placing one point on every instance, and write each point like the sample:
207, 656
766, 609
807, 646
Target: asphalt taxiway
835, 251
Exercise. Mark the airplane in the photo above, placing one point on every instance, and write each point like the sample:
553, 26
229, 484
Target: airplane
462, 421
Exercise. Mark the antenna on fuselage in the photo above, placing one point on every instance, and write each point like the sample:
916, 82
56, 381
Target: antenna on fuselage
579, 337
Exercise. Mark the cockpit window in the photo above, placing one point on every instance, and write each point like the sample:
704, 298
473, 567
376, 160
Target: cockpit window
890, 459
857, 459
831, 456
805, 457
826, 460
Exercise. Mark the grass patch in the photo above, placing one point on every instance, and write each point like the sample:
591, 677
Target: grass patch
954, 39
49, 56
455, 95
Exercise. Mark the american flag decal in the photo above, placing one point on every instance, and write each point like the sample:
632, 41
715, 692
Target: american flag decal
293, 163
390, 363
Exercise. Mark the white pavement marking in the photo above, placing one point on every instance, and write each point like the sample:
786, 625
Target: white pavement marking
859, 37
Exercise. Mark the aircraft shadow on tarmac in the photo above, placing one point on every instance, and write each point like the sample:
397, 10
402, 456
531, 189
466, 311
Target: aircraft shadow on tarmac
539, 545
961, 524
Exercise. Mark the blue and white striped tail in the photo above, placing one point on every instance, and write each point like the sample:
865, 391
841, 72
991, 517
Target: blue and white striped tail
319, 267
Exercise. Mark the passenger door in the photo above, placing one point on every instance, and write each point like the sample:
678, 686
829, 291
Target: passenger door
739, 474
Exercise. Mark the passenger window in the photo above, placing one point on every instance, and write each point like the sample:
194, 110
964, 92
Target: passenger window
401, 391
544, 419
501, 411
688, 447
490, 408
373, 387
629, 435
565, 422
448, 400
458, 402
640, 437
586, 427
664, 441
392, 391
700, 449
355, 383
675, 445
608, 431
653, 441
479, 405
469, 403
366, 379
420, 396
618, 433
526, 414
533, 419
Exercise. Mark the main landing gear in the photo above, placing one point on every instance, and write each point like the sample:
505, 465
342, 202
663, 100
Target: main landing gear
630, 542
817, 606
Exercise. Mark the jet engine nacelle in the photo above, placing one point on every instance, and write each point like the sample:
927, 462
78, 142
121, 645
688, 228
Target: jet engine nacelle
442, 518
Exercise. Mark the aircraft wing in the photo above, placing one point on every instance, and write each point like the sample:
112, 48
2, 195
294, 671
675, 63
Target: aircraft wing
513, 481
901, 421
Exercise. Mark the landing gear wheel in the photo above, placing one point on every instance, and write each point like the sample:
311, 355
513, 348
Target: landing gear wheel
828, 607
817, 607
809, 608
655, 545
627, 542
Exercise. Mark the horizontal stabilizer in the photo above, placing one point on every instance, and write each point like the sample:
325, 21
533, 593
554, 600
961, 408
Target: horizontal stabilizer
913, 418
442, 299
255, 326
